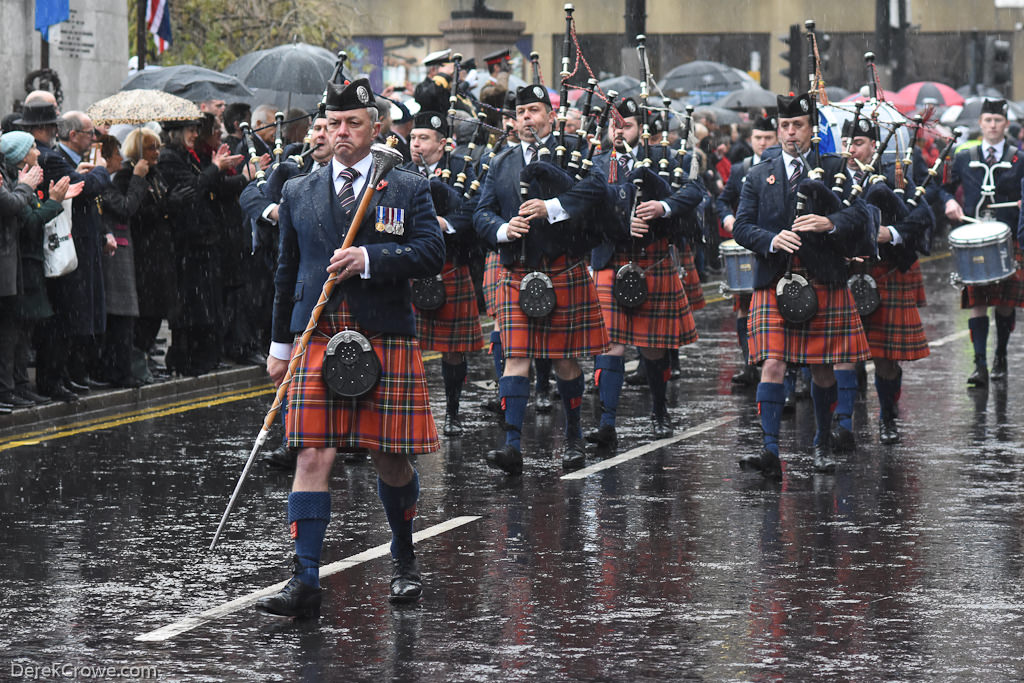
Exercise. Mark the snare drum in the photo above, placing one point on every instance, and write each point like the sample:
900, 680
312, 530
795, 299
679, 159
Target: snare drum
983, 252
739, 267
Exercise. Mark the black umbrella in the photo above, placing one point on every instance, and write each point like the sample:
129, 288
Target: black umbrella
625, 86
295, 69
703, 76
191, 82
979, 91
748, 98
835, 93
972, 111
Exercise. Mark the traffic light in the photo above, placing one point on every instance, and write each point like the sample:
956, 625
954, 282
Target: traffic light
792, 59
998, 53
824, 43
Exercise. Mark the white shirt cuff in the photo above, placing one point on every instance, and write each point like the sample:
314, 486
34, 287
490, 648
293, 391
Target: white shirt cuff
555, 211
366, 269
281, 351
448, 229
266, 213
896, 237
668, 209
502, 235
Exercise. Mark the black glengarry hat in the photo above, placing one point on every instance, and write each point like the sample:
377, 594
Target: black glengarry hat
767, 124
627, 107
432, 120
863, 129
792, 107
355, 95
993, 107
528, 94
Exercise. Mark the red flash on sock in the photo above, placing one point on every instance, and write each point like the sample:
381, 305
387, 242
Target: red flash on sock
667, 375
503, 404
410, 513
575, 403
293, 530
597, 377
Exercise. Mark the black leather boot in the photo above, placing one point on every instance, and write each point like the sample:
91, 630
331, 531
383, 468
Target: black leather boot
297, 599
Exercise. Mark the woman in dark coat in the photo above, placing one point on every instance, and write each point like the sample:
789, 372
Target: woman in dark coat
192, 190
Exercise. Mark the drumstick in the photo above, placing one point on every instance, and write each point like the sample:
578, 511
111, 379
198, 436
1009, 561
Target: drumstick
969, 219
1003, 205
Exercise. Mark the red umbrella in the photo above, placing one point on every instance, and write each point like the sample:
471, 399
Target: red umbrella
944, 95
891, 97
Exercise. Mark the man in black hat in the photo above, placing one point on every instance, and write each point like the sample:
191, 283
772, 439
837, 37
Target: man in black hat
546, 235
763, 136
1000, 160
816, 247
397, 240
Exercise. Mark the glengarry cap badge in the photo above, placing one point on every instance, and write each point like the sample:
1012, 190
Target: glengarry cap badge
362, 94
631, 105
804, 106
538, 91
435, 121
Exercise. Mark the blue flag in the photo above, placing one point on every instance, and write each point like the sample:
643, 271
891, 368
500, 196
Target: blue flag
50, 12
828, 143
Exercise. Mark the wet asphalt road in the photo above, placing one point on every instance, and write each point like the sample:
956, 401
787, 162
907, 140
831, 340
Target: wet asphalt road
905, 565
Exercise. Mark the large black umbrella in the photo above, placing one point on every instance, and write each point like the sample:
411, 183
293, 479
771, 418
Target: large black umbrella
701, 76
625, 86
191, 82
748, 98
286, 75
979, 91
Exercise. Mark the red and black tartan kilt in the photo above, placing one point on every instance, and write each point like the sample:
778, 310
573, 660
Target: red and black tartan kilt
894, 330
455, 326
740, 302
834, 335
663, 321
1008, 292
574, 329
492, 273
691, 279
392, 418
917, 277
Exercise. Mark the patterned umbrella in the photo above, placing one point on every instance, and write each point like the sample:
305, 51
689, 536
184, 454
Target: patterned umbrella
943, 95
140, 106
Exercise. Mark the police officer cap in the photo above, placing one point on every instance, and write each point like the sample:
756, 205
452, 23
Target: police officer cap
792, 107
528, 94
767, 124
994, 107
355, 95
498, 57
627, 107
431, 120
469, 64
864, 129
438, 58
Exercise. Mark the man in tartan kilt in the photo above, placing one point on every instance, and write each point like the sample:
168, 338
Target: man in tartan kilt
998, 155
894, 329
541, 235
763, 136
398, 239
816, 246
663, 322
454, 328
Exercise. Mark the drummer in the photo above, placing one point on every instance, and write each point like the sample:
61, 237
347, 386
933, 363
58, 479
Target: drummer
999, 156
763, 137
894, 329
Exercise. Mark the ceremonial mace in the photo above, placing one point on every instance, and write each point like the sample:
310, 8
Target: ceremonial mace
385, 158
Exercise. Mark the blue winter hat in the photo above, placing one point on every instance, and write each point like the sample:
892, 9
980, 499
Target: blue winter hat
15, 145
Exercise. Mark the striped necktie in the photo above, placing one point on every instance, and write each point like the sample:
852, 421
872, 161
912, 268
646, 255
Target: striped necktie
532, 151
794, 177
990, 159
346, 195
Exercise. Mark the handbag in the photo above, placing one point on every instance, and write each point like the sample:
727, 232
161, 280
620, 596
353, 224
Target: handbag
59, 255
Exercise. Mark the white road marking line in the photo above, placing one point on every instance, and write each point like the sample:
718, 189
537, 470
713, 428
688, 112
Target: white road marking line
949, 338
189, 623
647, 448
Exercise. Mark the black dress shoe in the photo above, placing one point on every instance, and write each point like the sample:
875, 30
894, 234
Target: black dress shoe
297, 599
823, 461
94, 383
62, 393
406, 582
30, 395
978, 378
765, 462
129, 382
16, 402
603, 436
492, 405
254, 358
746, 377
661, 426
998, 367
887, 431
542, 403
6, 409
573, 455
282, 458
74, 386
842, 438
508, 459
638, 377
452, 425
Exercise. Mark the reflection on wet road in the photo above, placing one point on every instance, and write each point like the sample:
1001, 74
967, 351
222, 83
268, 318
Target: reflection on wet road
666, 563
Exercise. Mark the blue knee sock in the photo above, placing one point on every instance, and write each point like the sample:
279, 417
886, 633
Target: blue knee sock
846, 385
658, 373
400, 507
608, 371
979, 338
888, 394
1004, 326
497, 353
571, 391
514, 393
741, 337
542, 368
308, 514
824, 399
770, 398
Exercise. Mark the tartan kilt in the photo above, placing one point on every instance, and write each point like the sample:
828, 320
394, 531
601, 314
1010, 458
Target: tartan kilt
455, 327
1008, 292
574, 328
833, 335
492, 272
894, 330
914, 272
394, 417
740, 302
691, 278
663, 321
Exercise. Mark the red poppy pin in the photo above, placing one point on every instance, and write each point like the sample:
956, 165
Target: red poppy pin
381, 185
771, 180
39, 193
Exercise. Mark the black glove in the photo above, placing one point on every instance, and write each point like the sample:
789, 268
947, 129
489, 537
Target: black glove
181, 195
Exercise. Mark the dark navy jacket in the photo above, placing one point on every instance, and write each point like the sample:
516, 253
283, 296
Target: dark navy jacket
312, 226
1007, 181
460, 245
767, 207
